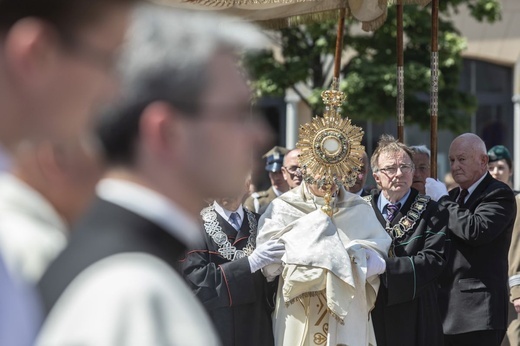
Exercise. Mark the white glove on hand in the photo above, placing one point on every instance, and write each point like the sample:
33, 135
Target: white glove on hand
435, 189
268, 253
375, 263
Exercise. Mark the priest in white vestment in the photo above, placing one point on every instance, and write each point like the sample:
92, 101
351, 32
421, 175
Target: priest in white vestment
329, 277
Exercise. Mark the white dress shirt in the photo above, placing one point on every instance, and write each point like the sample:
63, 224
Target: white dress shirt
383, 202
226, 214
472, 188
32, 233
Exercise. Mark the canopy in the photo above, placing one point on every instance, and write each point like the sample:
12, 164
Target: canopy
279, 13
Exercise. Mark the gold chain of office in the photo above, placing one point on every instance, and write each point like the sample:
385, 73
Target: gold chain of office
226, 249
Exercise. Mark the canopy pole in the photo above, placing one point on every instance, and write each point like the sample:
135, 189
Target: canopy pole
339, 44
400, 72
434, 88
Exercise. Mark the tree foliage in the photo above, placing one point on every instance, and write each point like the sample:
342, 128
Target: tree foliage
369, 79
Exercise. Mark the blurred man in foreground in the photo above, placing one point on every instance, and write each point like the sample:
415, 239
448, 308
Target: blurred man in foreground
56, 67
47, 190
170, 142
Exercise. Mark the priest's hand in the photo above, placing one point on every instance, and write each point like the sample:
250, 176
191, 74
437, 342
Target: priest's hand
435, 189
375, 263
270, 252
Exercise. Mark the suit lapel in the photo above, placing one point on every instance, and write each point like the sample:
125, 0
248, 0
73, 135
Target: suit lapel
244, 229
375, 197
478, 191
227, 228
454, 193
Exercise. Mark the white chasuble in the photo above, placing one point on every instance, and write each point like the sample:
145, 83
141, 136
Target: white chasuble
324, 296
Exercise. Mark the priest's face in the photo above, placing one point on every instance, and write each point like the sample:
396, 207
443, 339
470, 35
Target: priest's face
394, 174
320, 192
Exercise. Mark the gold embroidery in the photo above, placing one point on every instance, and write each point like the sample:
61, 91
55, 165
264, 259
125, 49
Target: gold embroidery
321, 338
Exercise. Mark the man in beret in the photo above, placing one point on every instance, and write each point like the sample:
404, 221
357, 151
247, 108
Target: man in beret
258, 201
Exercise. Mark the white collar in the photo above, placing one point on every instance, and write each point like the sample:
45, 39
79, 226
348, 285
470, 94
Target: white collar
277, 192
383, 201
473, 187
227, 213
152, 206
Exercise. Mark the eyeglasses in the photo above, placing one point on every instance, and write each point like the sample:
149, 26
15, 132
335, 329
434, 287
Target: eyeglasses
392, 170
294, 171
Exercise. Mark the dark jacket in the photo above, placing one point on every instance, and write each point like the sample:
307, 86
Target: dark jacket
236, 299
406, 311
474, 286
107, 229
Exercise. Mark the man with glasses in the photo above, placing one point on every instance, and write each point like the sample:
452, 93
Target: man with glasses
473, 295
291, 169
50, 83
406, 311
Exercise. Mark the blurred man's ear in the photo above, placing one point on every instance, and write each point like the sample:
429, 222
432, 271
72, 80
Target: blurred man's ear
158, 128
30, 51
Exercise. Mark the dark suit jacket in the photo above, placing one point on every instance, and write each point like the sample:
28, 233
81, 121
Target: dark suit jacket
406, 311
107, 229
474, 287
236, 299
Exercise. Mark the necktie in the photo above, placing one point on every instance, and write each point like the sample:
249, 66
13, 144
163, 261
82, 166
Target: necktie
462, 196
392, 210
234, 220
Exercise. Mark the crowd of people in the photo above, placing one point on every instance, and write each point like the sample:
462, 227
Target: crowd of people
127, 216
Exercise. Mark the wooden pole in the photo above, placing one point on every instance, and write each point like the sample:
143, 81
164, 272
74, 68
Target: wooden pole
400, 73
339, 44
434, 88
